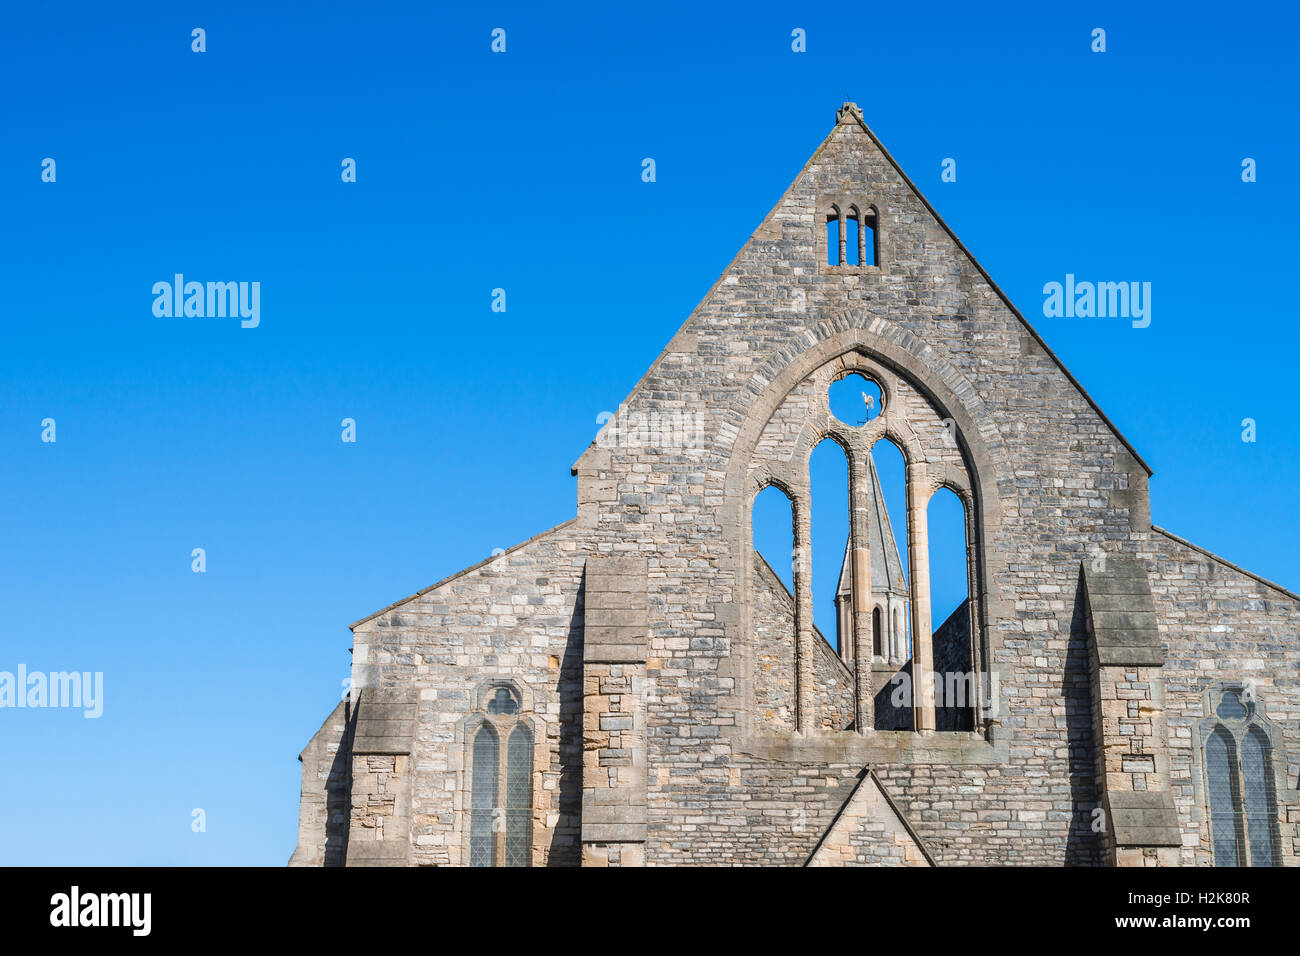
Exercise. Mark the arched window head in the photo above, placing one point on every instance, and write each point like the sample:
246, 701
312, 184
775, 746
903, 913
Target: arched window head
835, 238
1231, 706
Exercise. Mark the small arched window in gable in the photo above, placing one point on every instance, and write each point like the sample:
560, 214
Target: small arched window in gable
868, 238
835, 237
852, 236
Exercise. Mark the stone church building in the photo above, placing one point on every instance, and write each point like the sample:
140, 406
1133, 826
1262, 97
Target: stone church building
638, 686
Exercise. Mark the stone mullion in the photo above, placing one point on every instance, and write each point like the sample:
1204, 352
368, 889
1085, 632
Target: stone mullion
803, 615
499, 819
862, 241
860, 552
843, 240
918, 555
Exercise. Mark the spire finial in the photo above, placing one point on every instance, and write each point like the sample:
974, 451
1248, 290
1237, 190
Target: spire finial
848, 113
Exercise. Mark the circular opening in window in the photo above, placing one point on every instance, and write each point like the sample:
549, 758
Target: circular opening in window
856, 399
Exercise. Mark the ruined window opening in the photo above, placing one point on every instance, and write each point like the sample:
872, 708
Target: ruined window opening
772, 526
955, 680
834, 236
828, 471
868, 528
772, 518
891, 585
868, 239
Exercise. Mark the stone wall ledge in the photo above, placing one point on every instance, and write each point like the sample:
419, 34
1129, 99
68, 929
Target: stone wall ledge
878, 747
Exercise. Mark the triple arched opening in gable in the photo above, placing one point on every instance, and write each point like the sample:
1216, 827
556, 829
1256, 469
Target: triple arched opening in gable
852, 231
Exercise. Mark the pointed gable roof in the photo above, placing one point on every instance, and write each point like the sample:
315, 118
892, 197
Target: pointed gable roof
850, 115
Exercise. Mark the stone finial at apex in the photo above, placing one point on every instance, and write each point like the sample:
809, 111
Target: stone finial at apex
848, 113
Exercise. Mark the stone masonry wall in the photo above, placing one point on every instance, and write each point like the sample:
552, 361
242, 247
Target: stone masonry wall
376, 791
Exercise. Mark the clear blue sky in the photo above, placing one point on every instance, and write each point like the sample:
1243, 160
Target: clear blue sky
522, 171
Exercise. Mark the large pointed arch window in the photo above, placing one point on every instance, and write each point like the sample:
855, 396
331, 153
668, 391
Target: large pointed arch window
1240, 780
862, 453
500, 767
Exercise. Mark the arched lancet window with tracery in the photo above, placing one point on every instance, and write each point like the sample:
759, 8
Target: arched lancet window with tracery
1239, 778
500, 778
